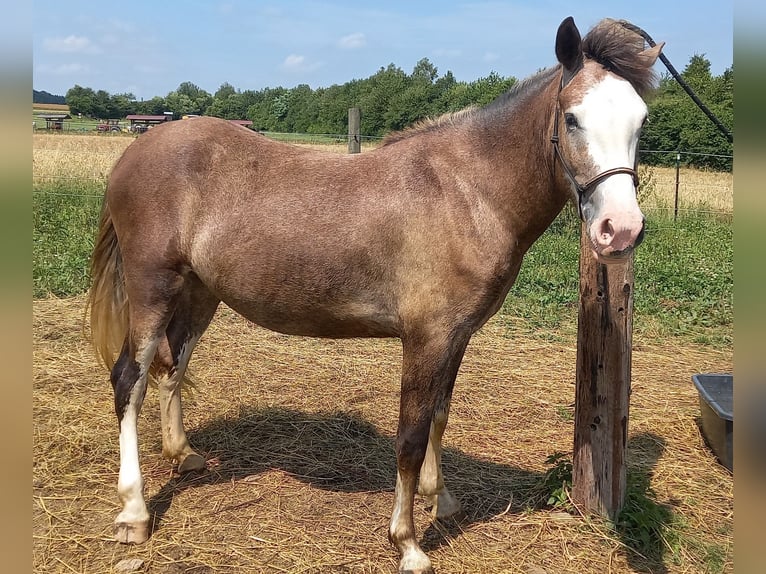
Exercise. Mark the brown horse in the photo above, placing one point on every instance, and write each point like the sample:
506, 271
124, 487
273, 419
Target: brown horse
420, 239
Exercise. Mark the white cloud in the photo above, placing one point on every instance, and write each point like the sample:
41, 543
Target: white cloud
70, 45
491, 57
297, 63
294, 61
352, 41
65, 69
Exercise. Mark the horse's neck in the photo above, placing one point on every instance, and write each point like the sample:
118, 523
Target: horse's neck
521, 181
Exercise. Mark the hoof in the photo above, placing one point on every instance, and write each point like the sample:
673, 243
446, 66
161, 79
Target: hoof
190, 463
417, 563
131, 533
444, 506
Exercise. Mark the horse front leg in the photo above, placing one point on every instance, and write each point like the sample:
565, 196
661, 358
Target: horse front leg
429, 368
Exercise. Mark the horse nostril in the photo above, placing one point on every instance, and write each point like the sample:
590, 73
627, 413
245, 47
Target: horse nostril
606, 233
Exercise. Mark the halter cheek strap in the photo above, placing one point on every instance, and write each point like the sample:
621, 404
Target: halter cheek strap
584, 188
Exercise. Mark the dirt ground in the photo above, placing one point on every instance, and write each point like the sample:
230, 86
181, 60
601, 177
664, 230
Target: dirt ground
299, 437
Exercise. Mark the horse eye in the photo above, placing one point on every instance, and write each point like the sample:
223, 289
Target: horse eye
571, 121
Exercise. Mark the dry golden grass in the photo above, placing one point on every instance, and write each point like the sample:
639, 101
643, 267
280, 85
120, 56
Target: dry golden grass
51, 107
92, 156
299, 437
697, 189
75, 157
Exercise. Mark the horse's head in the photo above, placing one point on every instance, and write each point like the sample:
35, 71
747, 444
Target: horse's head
598, 121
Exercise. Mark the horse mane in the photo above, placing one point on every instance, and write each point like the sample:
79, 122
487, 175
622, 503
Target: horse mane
429, 124
618, 50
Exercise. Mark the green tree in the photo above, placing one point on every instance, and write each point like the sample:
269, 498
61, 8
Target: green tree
120, 105
200, 98
302, 109
380, 90
156, 106
180, 104
424, 71
224, 91
81, 100
676, 123
101, 105
262, 109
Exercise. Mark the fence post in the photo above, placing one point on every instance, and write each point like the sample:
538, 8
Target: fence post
678, 180
354, 134
604, 336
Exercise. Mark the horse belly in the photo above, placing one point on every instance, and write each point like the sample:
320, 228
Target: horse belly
319, 300
317, 319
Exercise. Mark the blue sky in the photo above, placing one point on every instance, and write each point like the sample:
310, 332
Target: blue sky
148, 48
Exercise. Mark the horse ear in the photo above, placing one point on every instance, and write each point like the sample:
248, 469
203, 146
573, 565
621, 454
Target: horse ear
569, 49
650, 55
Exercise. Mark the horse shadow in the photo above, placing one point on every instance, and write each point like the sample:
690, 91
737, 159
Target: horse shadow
342, 452
646, 526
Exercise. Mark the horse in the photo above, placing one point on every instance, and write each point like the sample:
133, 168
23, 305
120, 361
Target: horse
420, 239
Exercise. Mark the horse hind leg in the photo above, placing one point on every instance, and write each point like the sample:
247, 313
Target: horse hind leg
148, 319
193, 313
431, 484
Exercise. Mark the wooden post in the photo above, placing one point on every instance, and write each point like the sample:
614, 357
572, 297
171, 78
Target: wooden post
604, 337
354, 134
678, 181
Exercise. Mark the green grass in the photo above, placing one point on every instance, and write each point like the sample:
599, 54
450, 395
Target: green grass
64, 222
683, 270
684, 280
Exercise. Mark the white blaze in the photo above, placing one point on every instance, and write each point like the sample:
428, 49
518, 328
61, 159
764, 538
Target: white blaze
610, 117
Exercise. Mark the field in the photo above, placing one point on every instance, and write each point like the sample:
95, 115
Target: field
298, 432
50, 108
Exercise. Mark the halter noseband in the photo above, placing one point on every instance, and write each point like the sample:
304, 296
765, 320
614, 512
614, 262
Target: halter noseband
582, 189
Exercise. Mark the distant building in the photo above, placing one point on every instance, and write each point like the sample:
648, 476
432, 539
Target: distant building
54, 121
139, 123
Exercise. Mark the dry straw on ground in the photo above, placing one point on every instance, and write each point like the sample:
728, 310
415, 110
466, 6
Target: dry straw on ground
299, 437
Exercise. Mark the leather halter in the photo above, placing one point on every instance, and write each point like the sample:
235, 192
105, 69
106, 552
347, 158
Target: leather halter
583, 188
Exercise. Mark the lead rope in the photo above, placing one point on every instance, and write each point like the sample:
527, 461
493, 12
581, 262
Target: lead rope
722, 128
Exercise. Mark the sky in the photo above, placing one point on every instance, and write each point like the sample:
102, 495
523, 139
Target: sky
149, 48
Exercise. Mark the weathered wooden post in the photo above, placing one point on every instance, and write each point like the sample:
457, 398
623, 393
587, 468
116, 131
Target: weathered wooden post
678, 182
354, 133
605, 327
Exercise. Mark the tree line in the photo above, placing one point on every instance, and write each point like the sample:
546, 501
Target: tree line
392, 99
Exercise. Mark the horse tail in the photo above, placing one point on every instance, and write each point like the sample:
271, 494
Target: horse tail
107, 299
